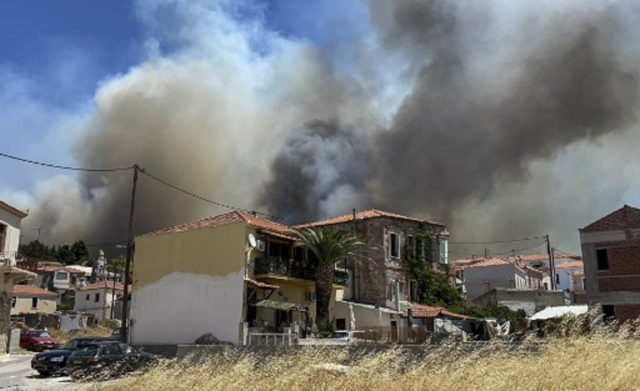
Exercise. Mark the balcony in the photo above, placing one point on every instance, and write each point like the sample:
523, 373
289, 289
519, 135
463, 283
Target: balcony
290, 268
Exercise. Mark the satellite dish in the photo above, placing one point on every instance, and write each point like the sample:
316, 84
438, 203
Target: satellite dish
253, 242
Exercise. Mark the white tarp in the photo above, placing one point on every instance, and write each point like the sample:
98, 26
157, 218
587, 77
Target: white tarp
557, 312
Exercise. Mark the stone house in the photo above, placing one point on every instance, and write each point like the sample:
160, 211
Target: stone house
29, 299
99, 299
382, 278
611, 255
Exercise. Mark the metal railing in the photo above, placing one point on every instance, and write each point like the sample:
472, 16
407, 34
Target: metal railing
7, 258
272, 339
290, 268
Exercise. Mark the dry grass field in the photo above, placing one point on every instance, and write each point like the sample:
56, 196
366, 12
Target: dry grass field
575, 363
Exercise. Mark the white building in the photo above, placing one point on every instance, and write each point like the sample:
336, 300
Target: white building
479, 276
98, 299
10, 224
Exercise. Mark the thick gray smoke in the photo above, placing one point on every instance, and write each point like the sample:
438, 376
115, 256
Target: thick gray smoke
321, 170
462, 112
489, 98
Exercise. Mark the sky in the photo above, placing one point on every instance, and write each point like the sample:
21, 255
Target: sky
309, 109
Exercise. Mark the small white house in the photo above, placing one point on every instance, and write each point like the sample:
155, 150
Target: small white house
99, 299
480, 276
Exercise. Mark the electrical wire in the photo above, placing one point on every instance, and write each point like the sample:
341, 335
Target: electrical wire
113, 169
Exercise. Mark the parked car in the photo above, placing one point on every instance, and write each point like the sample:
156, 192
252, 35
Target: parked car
348, 336
108, 358
55, 361
37, 340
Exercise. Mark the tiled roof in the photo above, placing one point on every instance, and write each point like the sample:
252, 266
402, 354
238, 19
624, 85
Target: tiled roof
545, 257
30, 290
260, 284
480, 262
364, 215
235, 216
13, 210
565, 265
626, 217
54, 268
103, 285
427, 311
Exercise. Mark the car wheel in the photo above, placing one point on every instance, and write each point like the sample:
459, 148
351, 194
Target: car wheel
44, 373
77, 375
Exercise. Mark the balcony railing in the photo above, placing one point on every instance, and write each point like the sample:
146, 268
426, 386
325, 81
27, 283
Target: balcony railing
289, 268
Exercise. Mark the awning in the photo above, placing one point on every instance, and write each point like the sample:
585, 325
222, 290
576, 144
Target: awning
279, 305
560, 311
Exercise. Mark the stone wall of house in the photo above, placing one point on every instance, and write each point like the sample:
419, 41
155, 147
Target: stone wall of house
624, 312
376, 271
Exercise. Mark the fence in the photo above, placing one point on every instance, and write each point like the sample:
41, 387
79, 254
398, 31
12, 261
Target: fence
272, 339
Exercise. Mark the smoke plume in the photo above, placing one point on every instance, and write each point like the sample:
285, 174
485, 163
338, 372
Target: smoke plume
490, 101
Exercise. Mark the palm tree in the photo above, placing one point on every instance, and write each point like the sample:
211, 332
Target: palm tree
329, 246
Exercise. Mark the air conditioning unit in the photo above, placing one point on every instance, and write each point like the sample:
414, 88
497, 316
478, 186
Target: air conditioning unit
260, 245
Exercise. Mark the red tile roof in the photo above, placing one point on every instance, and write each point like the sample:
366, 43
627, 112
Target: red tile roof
427, 311
104, 285
364, 215
626, 217
30, 290
462, 264
54, 268
569, 264
235, 216
260, 284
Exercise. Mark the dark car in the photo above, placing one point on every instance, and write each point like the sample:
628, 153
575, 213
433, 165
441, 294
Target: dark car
55, 361
106, 357
37, 340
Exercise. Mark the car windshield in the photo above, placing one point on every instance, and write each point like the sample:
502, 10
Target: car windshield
86, 351
41, 334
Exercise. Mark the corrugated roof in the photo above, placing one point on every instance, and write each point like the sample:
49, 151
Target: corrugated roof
30, 290
557, 312
364, 215
235, 216
626, 217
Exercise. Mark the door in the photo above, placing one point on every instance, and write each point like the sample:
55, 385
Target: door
394, 331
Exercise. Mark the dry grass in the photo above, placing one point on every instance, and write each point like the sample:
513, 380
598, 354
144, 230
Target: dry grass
579, 363
64, 336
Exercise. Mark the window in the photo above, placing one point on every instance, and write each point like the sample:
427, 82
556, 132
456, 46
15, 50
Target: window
608, 311
3, 233
97, 299
392, 291
402, 288
34, 302
88, 297
13, 302
546, 286
341, 324
557, 278
394, 245
62, 276
603, 259
111, 349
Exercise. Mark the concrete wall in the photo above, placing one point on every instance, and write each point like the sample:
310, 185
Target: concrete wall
46, 304
12, 236
530, 301
189, 283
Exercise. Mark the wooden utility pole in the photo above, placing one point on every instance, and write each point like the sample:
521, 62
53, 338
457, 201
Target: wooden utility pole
127, 265
552, 266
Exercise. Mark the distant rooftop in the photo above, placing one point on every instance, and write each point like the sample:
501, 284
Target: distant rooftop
364, 215
13, 210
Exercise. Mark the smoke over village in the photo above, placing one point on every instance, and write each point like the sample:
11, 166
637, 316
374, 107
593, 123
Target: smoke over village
500, 119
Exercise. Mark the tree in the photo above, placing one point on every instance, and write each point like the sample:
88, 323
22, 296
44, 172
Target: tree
80, 253
64, 254
327, 246
38, 250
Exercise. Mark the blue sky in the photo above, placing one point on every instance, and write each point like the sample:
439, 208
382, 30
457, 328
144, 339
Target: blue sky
55, 54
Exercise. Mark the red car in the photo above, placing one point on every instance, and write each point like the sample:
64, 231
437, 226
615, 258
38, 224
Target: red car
37, 340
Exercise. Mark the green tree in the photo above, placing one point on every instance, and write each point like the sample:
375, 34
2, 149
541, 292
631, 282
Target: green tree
38, 250
64, 254
328, 246
80, 253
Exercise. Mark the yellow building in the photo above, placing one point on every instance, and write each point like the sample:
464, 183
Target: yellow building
205, 277
32, 299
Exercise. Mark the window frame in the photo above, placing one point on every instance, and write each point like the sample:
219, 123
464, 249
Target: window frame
391, 235
34, 302
96, 297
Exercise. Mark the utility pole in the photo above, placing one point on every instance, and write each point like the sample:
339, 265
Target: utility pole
127, 265
552, 266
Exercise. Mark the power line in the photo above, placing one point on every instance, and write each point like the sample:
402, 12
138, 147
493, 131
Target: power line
501, 241
199, 197
64, 167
